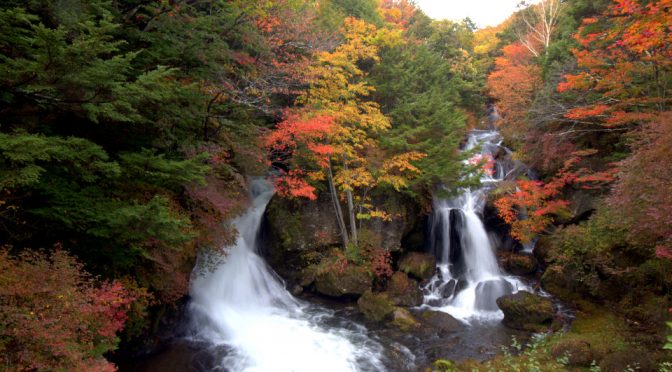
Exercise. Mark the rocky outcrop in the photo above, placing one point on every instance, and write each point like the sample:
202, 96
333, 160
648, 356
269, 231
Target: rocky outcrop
404, 291
419, 265
353, 281
301, 232
526, 311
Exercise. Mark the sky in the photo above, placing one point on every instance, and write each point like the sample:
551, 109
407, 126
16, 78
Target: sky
483, 12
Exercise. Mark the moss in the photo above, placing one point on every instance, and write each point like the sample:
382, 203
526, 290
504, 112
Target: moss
419, 265
375, 306
526, 311
402, 319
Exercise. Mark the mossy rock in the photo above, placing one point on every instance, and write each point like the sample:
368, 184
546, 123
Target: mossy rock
375, 306
351, 282
557, 282
519, 264
526, 311
542, 249
404, 320
404, 291
419, 265
577, 351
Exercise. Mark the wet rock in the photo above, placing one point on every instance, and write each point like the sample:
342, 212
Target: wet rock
375, 306
489, 291
440, 321
526, 311
448, 288
353, 281
518, 264
404, 320
404, 291
419, 265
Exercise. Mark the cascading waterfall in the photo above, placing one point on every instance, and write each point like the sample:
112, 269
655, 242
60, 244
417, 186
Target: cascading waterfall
468, 280
243, 308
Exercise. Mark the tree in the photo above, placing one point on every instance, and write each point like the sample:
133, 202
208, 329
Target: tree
345, 153
513, 83
539, 22
643, 187
625, 64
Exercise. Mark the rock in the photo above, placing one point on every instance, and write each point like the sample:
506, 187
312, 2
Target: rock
307, 276
526, 311
353, 281
489, 291
518, 264
418, 265
578, 352
402, 319
297, 290
441, 321
375, 306
542, 249
404, 291
556, 282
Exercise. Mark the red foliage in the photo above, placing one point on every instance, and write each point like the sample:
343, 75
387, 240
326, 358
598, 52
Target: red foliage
485, 161
54, 315
643, 190
538, 199
304, 140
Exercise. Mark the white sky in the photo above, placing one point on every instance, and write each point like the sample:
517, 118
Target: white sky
483, 12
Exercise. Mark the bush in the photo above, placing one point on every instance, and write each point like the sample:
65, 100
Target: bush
55, 316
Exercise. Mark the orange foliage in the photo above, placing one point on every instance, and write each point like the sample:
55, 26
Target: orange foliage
624, 56
513, 84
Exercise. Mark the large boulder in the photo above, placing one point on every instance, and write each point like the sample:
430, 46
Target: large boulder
375, 306
351, 282
526, 311
419, 265
404, 291
440, 321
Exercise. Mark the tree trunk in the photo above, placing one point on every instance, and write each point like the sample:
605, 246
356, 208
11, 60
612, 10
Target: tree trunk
351, 211
337, 207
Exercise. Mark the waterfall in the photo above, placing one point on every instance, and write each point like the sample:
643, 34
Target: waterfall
243, 308
468, 280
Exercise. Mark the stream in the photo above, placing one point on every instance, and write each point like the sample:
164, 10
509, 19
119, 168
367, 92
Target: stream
242, 318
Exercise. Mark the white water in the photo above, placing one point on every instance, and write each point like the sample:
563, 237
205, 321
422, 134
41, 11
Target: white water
244, 308
468, 279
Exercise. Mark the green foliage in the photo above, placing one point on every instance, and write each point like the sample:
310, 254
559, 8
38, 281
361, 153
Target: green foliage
415, 90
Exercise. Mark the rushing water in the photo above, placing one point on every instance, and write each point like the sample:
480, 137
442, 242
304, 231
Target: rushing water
243, 308
468, 280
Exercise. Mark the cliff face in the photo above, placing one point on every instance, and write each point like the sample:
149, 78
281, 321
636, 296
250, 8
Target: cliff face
301, 232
